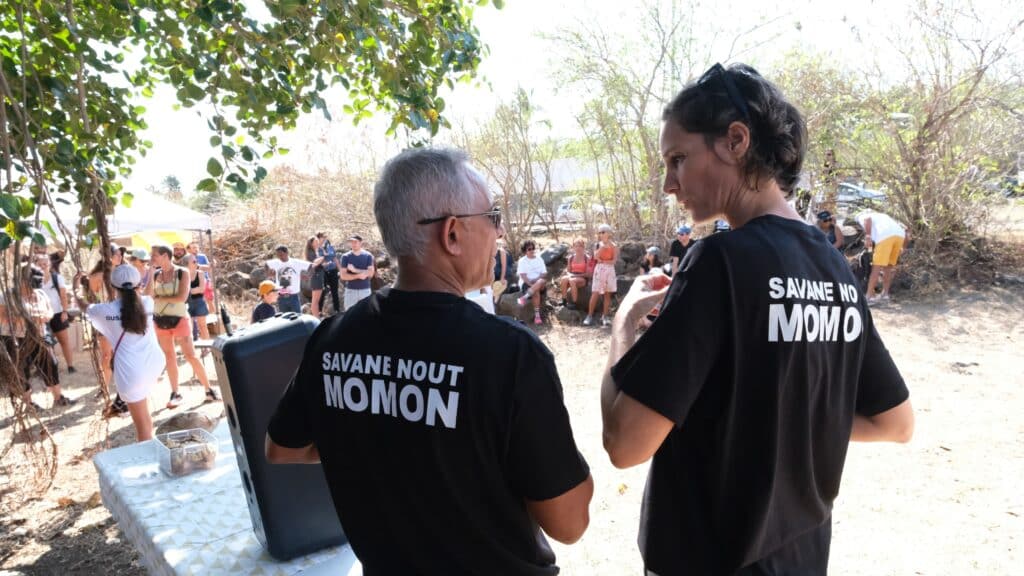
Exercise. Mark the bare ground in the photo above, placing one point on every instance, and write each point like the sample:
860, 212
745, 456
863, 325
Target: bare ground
947, 503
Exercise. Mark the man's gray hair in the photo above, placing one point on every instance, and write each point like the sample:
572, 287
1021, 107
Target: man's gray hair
422, 183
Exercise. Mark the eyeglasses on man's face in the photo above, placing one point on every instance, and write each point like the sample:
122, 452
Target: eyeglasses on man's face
494, 215
719, 72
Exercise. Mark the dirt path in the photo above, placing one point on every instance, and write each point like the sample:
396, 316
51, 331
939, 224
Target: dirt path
947, 503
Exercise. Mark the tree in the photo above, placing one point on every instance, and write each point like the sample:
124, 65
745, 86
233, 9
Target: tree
72, 75
171, 187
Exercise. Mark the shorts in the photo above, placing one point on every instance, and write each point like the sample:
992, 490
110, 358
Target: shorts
183, 329
316, 280
353, 295
58, 325
604, 279
887, 252
197, 308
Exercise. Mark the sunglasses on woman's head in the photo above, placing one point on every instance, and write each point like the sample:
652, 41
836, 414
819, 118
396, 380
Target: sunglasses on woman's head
722, 75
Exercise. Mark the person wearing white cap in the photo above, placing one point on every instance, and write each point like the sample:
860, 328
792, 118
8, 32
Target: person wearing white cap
127, 323
140, 259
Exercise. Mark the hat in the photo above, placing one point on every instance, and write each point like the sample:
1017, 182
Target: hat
140, 254
722, 226
824, 216
266, 287
653, 250
178, 245
115, 248
683, 230
125, 277
604, 228
356, 237
280, 248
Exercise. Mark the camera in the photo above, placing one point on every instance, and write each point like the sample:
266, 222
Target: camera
285, 282
36, 280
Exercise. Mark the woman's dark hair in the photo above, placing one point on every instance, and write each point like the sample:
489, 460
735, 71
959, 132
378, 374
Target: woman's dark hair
527, 244
133, 315
161, 249
778, 135
310, 252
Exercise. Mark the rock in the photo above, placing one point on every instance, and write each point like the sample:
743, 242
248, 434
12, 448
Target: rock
567, 316
257, 274
383, 261
631, 253
239, 281
624, 283
507, 306
187, 421
553, 253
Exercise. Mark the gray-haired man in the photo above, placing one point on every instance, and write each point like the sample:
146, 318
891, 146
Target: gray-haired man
441, 428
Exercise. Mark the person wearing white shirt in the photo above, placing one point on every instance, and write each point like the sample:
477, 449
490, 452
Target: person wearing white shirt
886, 236
127, 323
57, 290
532, 278
288, 275
25, 345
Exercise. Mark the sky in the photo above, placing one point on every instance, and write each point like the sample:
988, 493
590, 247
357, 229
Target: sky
852, 33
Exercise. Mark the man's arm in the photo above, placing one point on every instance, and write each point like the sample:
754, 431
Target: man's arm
868, 242
277, 454
566, 517
894, 425
632, 432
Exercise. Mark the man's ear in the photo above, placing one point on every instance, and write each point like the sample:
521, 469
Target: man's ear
451, 236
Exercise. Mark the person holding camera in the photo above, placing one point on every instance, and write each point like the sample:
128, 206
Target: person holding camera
31, 352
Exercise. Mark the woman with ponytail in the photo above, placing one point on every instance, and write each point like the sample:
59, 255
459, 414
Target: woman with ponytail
137, 359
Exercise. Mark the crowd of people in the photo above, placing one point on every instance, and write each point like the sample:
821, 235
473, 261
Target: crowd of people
742, 393
746, 430
155, 305
324, 268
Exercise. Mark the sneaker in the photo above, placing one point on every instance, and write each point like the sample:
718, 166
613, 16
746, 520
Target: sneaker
522, 300
211, 395
884, 297
570, 305
63, 401
537, 319
175, 401
37, 407
589, 320
605, 321
71, 370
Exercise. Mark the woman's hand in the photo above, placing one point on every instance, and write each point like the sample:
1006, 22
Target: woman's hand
645, 292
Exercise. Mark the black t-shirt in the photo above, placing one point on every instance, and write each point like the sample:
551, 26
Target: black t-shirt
434, 421
262, 312
677, 250
762, 353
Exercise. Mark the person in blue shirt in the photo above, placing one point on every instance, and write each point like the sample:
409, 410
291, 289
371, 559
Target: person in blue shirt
330, 264
356, 270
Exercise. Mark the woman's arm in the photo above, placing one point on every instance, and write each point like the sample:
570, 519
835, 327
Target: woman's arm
183, 285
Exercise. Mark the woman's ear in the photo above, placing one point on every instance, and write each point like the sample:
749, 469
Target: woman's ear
738, 138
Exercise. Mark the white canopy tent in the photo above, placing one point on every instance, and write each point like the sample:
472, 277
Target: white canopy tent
148, 213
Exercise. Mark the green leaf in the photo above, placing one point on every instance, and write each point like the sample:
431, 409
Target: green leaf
261, 173
127, 198
207, 185
213, 168
5, 241
26, 207
10, 206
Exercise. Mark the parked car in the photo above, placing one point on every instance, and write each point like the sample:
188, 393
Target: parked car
571, 210
855, 195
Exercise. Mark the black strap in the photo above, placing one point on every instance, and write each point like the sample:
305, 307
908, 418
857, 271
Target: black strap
114, 355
